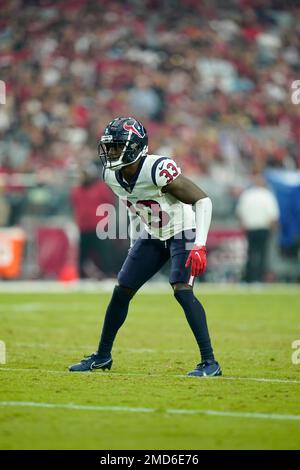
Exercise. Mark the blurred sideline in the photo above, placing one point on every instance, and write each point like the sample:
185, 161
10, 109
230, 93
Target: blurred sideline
155, 287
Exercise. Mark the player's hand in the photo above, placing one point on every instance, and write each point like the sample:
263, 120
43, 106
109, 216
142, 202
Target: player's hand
197, 260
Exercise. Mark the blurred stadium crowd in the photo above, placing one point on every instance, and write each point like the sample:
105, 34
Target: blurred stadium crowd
210, 80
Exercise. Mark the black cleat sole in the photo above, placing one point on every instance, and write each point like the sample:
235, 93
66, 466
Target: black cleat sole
107, 367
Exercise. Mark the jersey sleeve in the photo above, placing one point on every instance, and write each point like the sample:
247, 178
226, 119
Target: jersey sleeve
164, 171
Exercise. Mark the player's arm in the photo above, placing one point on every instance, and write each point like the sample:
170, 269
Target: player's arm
185, 190
189, 193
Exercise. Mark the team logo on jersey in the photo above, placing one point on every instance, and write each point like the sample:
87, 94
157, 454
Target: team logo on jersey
130, 127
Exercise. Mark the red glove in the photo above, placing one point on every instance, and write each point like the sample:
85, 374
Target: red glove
197, 259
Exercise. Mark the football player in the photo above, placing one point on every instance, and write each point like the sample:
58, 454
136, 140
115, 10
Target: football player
154, 190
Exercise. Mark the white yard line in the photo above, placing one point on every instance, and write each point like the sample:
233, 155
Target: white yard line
261, 379
151, 375
174, 411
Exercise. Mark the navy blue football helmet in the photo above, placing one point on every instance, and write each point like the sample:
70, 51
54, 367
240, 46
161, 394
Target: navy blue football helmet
124, 141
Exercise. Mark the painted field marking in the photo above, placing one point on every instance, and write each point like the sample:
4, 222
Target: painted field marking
174, 411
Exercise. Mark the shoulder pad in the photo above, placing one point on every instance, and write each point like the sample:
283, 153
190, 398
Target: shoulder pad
164, 171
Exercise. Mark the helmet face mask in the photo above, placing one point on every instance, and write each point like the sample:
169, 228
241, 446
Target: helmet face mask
124, 141
113, 151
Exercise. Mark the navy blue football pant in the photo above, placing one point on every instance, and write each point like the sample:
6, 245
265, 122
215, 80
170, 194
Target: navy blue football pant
146, 258
148, 255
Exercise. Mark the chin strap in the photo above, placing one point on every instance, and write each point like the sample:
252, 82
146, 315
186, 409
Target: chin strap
122, 165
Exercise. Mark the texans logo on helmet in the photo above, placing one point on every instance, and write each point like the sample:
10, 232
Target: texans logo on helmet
130, 127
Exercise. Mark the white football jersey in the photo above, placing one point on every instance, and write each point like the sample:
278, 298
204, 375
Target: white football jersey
163, 215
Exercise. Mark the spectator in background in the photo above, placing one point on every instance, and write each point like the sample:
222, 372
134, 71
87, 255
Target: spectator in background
94, 254
4, 206
258, 212
144, 100
200, 67
210, 80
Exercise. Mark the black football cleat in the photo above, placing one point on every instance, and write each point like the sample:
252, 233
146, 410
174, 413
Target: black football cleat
92, 362
206, 369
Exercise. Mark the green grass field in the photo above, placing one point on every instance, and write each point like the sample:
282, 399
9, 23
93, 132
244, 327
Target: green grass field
146, 402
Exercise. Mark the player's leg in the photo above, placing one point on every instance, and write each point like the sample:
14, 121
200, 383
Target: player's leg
196, 317
115, 316
192, 307
145, 259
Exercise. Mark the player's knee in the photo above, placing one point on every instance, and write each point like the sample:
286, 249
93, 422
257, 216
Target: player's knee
184, 295
179, 286
123, 291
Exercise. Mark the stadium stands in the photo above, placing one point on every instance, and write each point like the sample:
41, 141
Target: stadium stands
211, 81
